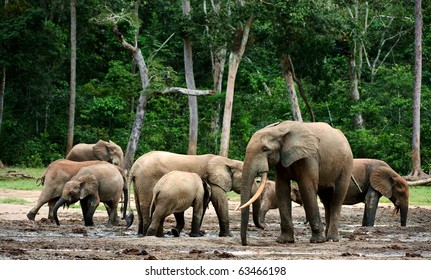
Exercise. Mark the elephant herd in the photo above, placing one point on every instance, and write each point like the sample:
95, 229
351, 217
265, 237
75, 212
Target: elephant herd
315, 156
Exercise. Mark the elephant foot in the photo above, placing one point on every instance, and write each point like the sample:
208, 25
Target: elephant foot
317, 239
89, 224
129, 219
332, 239
285, 238
226, 233
199, 234
31, 216
175, 232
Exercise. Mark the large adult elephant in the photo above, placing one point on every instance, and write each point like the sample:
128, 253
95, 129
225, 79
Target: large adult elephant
372, 179
102, 150
316, 156
53, 179
221, 173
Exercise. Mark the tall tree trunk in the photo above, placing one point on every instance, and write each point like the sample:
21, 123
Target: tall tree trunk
71, 127
234, 60
190, 80
2, 92
416, 157
142, 101
291, 91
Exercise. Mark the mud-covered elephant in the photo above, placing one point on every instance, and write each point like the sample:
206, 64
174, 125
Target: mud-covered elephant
371, 179
92, 185
316, 156
102, 150
221, 173
268, 200
174, 193
53, 179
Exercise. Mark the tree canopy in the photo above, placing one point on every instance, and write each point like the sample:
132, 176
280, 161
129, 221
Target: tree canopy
320, 36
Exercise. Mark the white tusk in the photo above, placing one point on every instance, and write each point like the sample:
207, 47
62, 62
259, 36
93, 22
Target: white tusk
257, 194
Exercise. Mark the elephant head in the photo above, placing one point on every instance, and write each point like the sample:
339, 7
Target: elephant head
225, 173
109, 151
76, 190
390, 184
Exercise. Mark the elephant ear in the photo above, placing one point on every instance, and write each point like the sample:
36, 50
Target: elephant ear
219, 173
297, 142
382, 180
100, 149
89, 186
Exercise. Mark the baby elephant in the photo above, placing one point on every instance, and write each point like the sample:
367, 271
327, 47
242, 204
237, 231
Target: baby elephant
92, 185
174, 193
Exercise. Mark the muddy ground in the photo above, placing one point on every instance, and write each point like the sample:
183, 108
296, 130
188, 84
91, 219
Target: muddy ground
42, 239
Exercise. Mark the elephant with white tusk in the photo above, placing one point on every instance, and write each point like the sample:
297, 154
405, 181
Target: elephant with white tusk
102, 150
372, 178
174, 193
317, 157
92, 185
221, 173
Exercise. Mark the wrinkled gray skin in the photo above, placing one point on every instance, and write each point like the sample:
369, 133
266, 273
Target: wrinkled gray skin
316, 156
102, 150
268, 200
174, 193
375, 178
221, 173
92, 185
53, 179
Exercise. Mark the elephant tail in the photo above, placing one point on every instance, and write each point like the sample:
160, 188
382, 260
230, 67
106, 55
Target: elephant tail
127, 205
152, 205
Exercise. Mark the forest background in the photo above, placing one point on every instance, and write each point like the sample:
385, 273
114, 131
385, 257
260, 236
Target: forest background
335, 48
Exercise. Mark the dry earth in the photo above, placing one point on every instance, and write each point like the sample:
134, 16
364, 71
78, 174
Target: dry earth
42, 239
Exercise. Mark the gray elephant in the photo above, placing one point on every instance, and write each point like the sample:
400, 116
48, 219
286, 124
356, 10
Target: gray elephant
92, 185
102, 150
53, 179
316, 156
221, 173
174, 193
371, 179
268, 200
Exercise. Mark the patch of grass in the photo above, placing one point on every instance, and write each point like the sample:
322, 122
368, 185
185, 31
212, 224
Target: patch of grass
19, 183
14, 201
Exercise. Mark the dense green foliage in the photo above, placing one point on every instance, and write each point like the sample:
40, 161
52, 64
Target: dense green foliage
35, 50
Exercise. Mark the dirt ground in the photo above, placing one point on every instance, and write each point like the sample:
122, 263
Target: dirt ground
42, 239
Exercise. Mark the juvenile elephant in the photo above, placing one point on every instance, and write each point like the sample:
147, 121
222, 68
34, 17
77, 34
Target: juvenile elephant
374, 178
53, 180
316, 156
268, 200
221, 173
92, 185
174, 193
102, 150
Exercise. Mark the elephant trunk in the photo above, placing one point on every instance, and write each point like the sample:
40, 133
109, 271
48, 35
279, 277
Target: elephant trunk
57, 205
247, 183
403, 214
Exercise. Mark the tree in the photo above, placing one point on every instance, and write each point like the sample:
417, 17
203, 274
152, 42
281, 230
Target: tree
71, 126
416, 158
237, 51
190, 80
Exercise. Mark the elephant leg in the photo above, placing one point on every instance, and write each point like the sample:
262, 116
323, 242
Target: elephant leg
285, 209
220, 203
307, 189
197, 220
179, 218
51, 204
88, 211
262, 214
371, 202
31, 215
111, 208
157, 220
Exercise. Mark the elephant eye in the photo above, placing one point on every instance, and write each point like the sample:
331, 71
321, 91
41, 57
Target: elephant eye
265, 149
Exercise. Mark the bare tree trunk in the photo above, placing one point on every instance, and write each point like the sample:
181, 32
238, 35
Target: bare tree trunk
71, 127
142, 102
234, 60
291, 91
2, 93
416, 157
354, 89
190, 80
